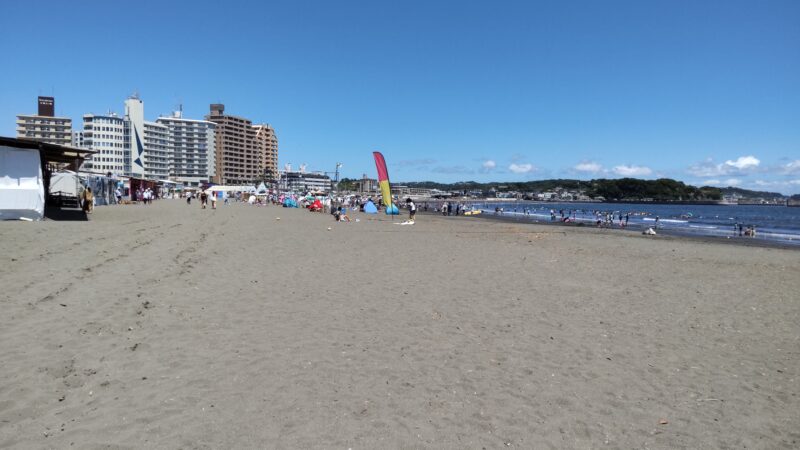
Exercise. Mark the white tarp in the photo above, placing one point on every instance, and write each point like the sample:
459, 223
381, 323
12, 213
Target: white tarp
21, 184
67, 183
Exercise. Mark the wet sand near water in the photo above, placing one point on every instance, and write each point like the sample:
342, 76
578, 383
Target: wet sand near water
169, 326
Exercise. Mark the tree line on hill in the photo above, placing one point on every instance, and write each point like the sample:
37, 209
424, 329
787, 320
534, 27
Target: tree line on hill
619, 189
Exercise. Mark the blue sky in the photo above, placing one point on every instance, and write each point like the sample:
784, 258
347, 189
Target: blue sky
707, 92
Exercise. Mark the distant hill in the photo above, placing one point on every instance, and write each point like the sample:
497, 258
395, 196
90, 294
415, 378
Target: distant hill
663, 189
520, 186
631, 189
746, 193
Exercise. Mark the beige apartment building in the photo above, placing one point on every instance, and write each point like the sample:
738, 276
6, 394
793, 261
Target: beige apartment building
244, 152
44, 126
267, 143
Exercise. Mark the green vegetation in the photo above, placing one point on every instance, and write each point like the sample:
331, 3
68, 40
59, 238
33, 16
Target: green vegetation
347, 184
663, 189
632, 189
619, 189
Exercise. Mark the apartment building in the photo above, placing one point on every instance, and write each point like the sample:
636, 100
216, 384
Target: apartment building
158, 160
305, 182
267, 144
44, 126
191, 145
77, 139
244, 151
105, 135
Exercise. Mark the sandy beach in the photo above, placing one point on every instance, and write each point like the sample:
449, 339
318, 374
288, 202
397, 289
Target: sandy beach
168, 326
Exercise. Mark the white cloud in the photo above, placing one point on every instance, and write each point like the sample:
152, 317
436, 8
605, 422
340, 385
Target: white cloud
744, 162
732, 182
632, 171
791, 168
740, 166
589, 167
489, 164
794, 181
520, 168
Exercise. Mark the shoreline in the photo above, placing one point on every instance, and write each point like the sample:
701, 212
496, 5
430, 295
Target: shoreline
661, 233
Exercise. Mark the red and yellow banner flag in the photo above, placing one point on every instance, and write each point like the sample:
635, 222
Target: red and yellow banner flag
383, 179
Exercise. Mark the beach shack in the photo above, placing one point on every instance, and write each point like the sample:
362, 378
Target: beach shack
26, 167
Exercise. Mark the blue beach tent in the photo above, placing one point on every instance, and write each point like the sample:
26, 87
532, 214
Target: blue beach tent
370, 208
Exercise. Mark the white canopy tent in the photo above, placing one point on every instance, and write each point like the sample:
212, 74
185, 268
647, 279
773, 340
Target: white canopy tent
21, 184
220, 188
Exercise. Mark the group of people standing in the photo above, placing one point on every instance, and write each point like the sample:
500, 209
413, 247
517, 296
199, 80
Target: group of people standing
146, 196
204, 198
451, 208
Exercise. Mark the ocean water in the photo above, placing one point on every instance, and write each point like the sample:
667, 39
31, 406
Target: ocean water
775, 223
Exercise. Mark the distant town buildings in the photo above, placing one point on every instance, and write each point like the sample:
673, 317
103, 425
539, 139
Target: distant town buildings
171, 148
366, 184
245, 152
305, 181
224, 149
44, 126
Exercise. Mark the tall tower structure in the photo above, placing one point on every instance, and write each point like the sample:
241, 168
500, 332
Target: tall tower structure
134, 137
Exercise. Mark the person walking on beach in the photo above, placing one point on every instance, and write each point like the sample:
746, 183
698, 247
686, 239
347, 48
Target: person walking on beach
626, 219
213, 200
657, 220
203, 200
412, 209
118, 194
88, 200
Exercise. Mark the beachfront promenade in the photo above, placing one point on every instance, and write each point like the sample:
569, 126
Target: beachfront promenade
168, 326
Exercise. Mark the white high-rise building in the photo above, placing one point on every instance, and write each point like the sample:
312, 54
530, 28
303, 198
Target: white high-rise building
191, 145
104, 134
174, 148
156, 151
134, 137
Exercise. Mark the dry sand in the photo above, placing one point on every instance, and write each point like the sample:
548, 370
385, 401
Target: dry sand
172, 327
